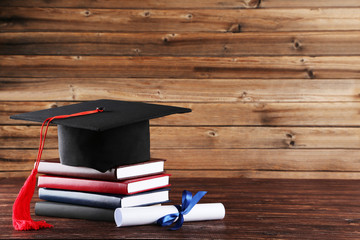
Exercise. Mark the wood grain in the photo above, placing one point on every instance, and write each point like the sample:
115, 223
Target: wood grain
282, 208
124, 4
283, 67
231, 174
181, 44
173, 4
308, 3
227, 114
211, 137
273, 85
256, 174
174, 20
222, 160
171, 90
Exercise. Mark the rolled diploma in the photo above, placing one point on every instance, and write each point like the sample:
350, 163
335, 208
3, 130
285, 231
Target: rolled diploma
149, 215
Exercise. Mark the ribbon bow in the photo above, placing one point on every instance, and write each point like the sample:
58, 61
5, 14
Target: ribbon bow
187, 203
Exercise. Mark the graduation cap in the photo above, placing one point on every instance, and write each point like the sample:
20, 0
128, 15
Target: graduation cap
116, 136
100, 134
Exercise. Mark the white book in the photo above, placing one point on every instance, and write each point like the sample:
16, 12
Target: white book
150, 167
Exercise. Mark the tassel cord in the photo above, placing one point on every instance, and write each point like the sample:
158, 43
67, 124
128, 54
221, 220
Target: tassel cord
21, 208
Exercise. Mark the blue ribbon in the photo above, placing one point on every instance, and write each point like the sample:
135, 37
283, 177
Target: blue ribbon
187, 203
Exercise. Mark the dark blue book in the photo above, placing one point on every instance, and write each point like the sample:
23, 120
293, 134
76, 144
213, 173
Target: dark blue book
100, 200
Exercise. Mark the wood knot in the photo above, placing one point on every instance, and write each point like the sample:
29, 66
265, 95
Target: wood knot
147, 14
289, 135
244, 97
159, 93
290, 139
76, 58
169, 37
87, 13
310, 74
297, 44
189, 16
137, 51
54, 105
235, 28
290, 143
165, 40
255, 3
212, 133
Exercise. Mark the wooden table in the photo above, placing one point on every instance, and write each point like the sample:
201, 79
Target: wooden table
255, 209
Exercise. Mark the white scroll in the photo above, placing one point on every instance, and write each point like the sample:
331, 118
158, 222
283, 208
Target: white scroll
149, 215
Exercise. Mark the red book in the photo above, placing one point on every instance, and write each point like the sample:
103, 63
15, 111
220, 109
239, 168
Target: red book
125, 187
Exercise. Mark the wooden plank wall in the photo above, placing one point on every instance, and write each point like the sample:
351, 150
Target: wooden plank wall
274, 84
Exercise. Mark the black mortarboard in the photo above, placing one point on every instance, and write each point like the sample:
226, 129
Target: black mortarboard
117, 136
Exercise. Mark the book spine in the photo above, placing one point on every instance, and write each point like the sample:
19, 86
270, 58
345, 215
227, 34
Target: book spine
80, 198
63, 210
52, 168
84, 185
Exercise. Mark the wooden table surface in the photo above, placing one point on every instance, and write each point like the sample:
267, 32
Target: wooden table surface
255, 209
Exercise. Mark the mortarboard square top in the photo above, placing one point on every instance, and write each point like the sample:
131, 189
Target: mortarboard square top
117, 136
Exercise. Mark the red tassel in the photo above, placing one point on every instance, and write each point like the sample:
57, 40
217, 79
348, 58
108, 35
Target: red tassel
21, 208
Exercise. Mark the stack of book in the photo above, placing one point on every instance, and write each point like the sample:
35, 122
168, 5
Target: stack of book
85, 193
